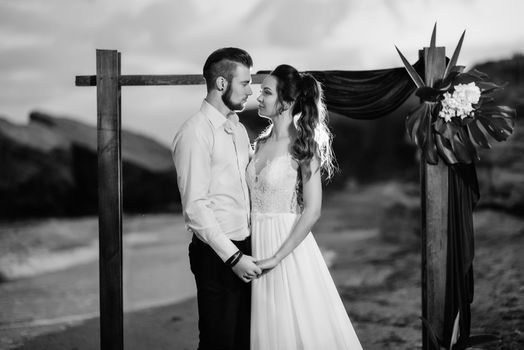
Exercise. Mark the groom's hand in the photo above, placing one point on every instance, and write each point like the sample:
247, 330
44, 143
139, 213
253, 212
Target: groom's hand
246, 269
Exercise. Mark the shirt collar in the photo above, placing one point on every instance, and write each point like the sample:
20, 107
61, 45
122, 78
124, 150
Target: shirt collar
215, 117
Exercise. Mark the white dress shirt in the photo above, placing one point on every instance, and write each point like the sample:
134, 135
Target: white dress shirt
211, 153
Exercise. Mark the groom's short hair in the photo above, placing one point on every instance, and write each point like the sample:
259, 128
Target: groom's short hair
222, 63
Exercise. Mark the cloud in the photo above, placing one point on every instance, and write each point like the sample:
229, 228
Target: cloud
43, 45
297, 23
14, 41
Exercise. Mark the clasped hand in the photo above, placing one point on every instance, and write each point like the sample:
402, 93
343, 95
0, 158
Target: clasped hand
267, 264
248, 268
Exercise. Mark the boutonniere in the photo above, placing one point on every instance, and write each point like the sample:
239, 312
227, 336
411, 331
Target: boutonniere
229, 126
231, 123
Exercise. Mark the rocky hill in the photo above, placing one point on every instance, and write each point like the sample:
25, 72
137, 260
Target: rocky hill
49, 168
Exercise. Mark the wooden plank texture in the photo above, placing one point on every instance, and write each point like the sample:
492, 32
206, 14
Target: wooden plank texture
153, 80
109, 199
434, 201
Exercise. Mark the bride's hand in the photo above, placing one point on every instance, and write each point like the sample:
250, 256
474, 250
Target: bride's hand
267, 264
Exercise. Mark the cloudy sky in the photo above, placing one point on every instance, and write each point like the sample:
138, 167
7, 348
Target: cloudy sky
45, 44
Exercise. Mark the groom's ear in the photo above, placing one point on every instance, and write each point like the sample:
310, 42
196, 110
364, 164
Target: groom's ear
221, 83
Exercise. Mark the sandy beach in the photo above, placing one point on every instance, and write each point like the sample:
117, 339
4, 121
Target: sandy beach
376, 272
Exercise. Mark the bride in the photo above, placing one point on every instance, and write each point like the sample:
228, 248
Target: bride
295, 304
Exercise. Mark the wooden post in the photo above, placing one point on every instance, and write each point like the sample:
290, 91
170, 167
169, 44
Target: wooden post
434, 203
108, 80
109, 199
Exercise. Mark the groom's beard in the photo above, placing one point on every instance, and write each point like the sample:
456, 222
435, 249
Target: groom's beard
226, 98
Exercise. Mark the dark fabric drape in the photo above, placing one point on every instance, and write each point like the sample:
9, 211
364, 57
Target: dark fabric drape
369, 94
463, 195
375, 94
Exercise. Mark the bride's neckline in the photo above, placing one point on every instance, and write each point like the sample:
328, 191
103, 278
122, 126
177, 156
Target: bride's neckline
268, 161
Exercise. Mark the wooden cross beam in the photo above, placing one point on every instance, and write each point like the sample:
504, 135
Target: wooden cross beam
153, 80
109, 81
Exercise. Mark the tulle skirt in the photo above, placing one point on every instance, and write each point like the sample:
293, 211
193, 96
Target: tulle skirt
296, 305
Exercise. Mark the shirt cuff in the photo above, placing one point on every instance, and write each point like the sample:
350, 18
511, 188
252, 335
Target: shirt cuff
222, 246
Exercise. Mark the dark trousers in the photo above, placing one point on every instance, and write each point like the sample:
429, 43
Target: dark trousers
224, 300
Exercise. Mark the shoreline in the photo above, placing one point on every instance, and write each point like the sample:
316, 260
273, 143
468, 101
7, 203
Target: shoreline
172, 326
30, 249
378, 278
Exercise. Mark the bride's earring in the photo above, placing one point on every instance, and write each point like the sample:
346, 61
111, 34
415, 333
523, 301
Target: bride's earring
296, 118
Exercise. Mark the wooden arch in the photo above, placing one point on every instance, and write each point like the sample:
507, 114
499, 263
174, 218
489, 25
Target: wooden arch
109, 81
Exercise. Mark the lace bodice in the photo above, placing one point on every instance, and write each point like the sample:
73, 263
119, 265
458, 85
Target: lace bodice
275, 188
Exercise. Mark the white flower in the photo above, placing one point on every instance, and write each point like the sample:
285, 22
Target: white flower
228, 126
231, 123
460, 104
468, 92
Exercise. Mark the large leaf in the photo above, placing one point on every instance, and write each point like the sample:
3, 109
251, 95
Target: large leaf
453, 61
468, 144
447, 130
413, 122
475, 341
431, 59
411, 71
445, 150
419, 129
489, 94
499, 126
430, 149
433, 41
488, 86
477, 75
477, 135
458, 140
450, 78
428, 94
424, 129
461, 147
451, 133
455, 332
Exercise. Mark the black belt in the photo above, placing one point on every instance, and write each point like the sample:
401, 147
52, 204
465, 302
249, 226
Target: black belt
197, 240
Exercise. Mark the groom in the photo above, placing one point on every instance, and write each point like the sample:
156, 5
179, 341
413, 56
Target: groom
211, 152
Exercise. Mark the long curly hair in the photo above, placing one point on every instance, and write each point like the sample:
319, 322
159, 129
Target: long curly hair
313, 137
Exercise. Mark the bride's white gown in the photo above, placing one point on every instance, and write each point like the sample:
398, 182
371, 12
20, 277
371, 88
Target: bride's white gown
296, 305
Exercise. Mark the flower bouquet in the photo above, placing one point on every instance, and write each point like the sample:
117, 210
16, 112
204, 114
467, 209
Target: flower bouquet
458, 112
